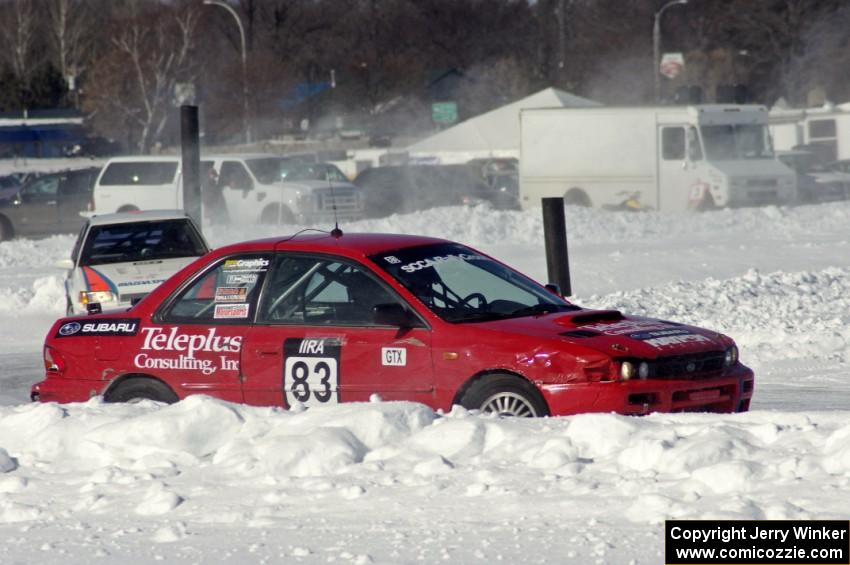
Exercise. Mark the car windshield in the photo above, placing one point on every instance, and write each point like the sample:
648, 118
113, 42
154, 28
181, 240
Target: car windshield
268, 169
141, 241
732, 142
461, 285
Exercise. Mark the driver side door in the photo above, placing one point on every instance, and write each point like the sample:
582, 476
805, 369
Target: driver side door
37, 206
315, 340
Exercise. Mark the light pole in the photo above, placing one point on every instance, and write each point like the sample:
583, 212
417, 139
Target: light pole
246, 127
656, 43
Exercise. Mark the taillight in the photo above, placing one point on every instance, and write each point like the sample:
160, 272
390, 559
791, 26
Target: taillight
53, 362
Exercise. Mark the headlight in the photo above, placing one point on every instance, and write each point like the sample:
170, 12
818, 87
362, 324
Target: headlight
731, 356
627, 370
643, 370
99, 296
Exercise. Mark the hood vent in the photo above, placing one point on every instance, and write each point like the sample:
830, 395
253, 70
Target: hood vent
597, 316
580, 333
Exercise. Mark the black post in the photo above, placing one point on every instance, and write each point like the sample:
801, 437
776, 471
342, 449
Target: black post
191, 164
555, 235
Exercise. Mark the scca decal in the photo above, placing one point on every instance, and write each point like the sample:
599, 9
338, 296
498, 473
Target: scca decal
115, 327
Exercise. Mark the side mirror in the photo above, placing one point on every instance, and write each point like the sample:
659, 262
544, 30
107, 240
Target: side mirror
554, 289
64, 264
393, 315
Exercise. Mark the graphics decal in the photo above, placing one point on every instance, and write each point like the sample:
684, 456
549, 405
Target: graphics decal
311, 371
659, 335
113, 327
669, 337
241, 278
231, 311
231, 294
160, 346
258, 264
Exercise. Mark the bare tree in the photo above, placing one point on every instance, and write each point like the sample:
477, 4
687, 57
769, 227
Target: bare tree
19, 35
70, 33
151, 54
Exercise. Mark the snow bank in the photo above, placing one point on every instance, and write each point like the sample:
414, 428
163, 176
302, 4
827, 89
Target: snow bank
154, 460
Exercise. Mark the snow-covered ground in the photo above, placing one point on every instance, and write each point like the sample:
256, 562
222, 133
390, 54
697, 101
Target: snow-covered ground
206, 481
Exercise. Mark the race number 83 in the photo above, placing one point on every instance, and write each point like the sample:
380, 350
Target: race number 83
312, 381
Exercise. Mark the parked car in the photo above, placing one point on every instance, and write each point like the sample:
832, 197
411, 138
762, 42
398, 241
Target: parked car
47, 204
409, 188
318, 319
119, 258
816, 182
250, 188
256, 188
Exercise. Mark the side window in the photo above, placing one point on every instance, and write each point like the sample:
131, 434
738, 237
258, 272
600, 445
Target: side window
41, 189
74, 184
673, 144
224, 295
234, 175
321, 292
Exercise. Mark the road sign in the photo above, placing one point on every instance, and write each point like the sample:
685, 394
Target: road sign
672, 64
444, 112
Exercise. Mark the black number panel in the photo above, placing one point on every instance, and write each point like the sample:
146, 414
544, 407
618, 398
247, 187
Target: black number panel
311, 371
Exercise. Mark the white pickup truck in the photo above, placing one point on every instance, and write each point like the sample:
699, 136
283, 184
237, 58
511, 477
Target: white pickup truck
254, 189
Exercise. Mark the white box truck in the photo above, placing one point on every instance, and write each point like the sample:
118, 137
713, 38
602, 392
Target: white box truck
669, 158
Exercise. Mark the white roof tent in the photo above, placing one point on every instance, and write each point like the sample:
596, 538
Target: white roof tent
494, 133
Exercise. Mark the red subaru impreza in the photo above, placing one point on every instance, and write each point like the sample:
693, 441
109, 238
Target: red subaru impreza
316, 319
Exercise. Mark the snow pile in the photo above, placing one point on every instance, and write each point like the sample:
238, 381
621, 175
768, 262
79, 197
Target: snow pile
773, 316
46, 295
203, 463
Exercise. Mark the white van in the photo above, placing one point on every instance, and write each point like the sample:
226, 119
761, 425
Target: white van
254, 189
669, 158
128, 184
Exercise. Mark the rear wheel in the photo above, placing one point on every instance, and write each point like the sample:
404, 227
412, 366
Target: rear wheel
505, 395
706, 204
128, 208
139, 388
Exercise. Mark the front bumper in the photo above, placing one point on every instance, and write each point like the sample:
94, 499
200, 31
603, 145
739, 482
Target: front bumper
730, 393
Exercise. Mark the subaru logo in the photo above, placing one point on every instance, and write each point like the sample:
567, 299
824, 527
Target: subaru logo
691, 367
70, 328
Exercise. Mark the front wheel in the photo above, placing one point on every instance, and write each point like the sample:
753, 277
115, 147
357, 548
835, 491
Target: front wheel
505, 395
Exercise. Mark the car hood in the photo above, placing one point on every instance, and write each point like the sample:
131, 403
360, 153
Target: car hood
612, 333
138, 277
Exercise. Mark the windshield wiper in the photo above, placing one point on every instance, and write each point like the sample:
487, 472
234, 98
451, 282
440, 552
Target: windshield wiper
539, 310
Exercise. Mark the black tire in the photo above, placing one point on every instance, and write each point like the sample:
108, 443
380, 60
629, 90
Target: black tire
137, 388
272, 212
576, 197
706, 204
514, 394
6, 231
128, 208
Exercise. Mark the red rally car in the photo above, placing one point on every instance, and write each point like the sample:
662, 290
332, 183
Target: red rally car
320, 319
